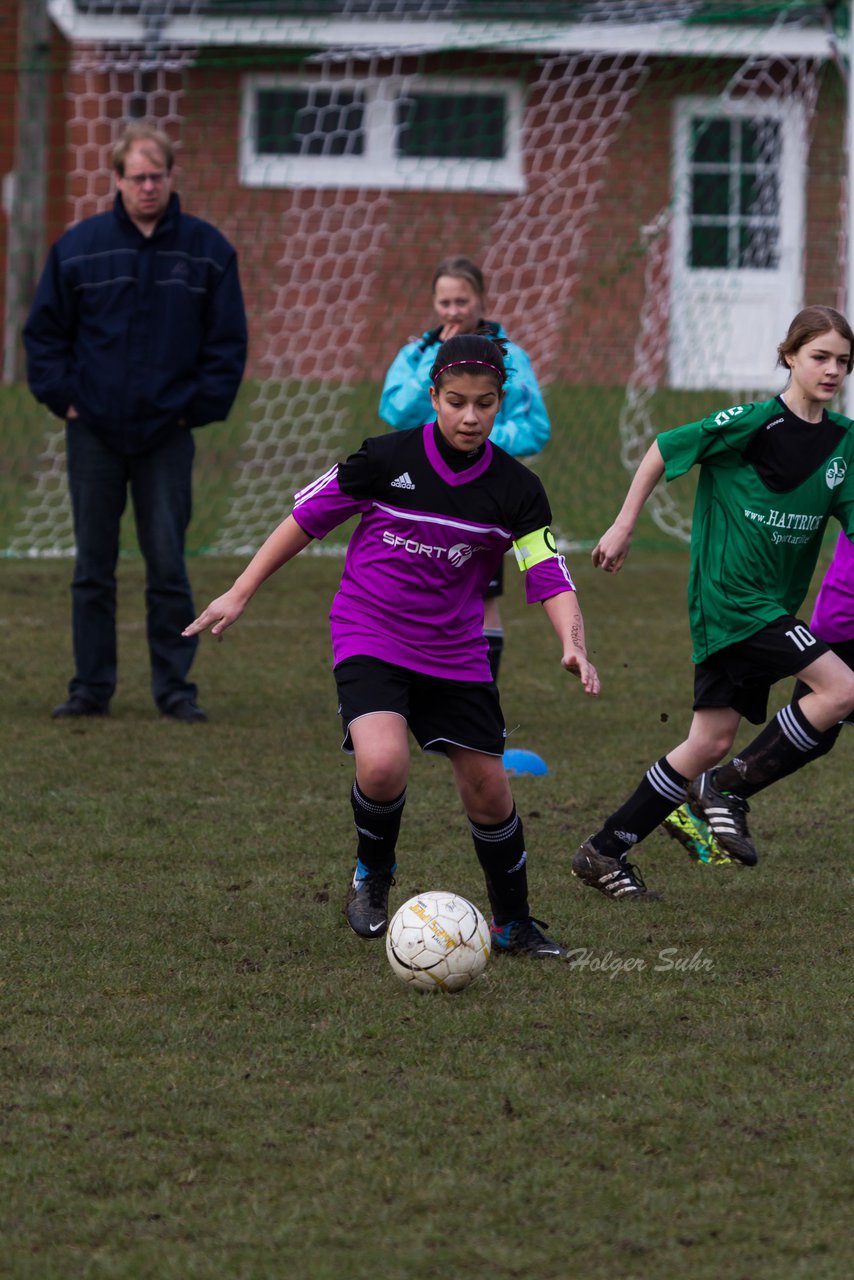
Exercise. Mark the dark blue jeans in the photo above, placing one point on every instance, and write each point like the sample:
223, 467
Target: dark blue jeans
160, 484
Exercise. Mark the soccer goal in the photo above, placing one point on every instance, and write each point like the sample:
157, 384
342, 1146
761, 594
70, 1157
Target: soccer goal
651, 190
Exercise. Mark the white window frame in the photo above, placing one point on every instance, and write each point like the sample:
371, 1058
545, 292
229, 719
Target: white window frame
739, 306
747, 108
379, 167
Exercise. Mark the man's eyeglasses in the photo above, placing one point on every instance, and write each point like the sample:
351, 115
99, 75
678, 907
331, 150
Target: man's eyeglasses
140, 179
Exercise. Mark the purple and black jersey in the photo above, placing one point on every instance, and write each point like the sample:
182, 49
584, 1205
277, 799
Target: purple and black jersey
833, 615
429, 541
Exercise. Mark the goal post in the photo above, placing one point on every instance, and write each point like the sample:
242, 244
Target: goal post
651, 190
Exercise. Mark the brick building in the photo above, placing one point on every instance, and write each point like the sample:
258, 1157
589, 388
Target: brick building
588, 164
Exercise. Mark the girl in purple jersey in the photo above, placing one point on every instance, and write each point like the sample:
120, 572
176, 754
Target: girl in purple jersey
439, 506
522, 425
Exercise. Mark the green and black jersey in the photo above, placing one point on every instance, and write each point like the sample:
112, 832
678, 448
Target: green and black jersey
769, 482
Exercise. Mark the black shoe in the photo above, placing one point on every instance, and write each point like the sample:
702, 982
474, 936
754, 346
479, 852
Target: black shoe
186, 711
366, 904
523, 938
725, 815
615, 877
77, 706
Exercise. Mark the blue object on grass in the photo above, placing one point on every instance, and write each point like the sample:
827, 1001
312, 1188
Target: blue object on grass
518, 762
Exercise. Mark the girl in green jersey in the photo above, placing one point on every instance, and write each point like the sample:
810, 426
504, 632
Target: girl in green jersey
771, 475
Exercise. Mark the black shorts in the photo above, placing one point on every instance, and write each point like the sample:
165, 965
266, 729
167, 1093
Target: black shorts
496, 585
741, 675
439, 712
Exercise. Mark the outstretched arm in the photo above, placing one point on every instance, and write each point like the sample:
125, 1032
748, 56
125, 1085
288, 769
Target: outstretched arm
612, 548
564, 614
282, 545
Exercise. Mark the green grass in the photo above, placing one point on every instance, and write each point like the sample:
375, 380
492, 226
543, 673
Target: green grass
204, 1074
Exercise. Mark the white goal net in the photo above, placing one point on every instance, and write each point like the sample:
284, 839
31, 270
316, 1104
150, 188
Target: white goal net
643, 184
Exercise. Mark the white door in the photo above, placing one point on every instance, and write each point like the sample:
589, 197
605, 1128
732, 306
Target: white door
736, 271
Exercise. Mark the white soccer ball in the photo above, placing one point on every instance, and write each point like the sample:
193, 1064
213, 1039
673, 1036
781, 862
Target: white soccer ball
438, 942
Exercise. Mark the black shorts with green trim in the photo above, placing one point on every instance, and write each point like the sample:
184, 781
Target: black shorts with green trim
440, 713
741, 676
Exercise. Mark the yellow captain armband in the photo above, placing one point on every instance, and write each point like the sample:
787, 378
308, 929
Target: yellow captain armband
534, 548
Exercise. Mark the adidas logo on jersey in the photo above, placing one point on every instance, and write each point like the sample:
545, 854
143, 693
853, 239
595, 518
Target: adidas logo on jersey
403, 482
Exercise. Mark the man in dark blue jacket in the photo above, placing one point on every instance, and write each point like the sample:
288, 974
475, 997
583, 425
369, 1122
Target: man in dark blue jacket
136, 335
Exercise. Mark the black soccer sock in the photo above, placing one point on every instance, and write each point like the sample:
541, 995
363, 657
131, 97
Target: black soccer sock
661, 791
495, 647
786, 744
747, 789
501, 853
378, 826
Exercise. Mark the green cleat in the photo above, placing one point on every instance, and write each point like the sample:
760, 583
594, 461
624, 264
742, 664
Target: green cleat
695, 837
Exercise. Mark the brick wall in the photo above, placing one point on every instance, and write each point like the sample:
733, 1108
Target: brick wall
335, 281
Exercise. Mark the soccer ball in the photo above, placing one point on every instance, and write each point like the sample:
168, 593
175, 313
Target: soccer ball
438, 942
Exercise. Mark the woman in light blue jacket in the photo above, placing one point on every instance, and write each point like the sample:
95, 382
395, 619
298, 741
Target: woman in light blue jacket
522, 427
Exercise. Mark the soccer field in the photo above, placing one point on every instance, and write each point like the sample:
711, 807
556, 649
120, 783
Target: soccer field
205, 1074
